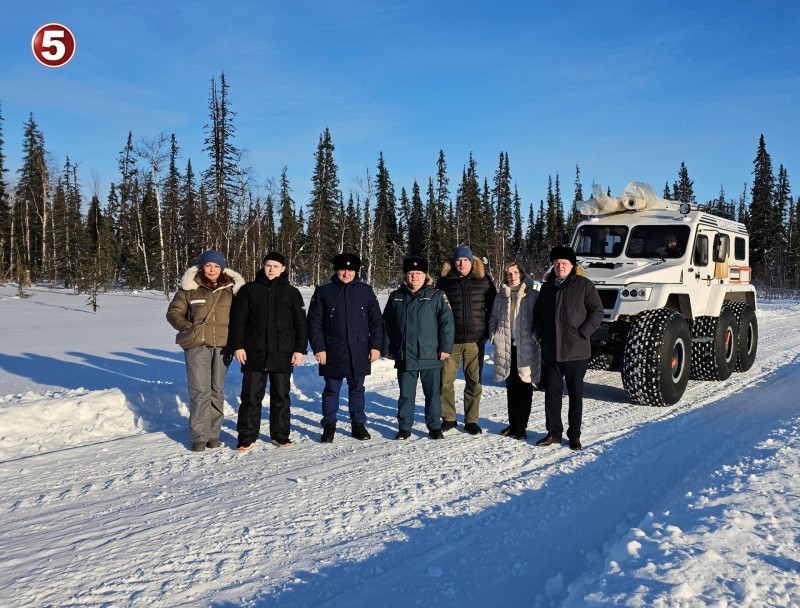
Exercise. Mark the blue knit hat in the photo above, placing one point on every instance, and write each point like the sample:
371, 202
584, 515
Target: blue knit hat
463, 252
215, 257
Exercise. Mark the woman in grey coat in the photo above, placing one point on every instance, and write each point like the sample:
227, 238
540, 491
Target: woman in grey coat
206, 294
517, 358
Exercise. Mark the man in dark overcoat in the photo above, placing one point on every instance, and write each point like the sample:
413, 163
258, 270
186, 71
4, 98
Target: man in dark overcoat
566, 314
268, 336
345, 329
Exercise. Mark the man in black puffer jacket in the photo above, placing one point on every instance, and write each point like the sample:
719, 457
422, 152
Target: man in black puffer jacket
471, 295
268, 336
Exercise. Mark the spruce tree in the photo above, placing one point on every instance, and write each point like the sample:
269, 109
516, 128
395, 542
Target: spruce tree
783, 199
540, 256
530, 240
175, 236
192, 219
221, 178
719, 206
354, 228
762, 226
517, 238
468, 207
552, 235
573, 219
438, 239
404, 212
416, 224
487, 232
56, 232
94, 263
268, 221
385, 233
65, 230
31, 211
503, 210
288, 241
123, 217
5, 213
683, 189
322, 225
794, 243
743, 213
560, 221
443, 215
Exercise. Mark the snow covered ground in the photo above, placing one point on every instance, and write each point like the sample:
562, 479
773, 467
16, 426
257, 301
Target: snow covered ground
101, 503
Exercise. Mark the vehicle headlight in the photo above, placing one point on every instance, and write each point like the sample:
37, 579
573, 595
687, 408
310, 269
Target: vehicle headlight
636, 293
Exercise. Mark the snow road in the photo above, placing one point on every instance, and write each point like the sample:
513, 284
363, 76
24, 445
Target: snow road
102, 504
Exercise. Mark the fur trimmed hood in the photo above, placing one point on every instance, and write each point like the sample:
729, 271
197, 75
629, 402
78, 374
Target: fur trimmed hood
478, 268
190, 281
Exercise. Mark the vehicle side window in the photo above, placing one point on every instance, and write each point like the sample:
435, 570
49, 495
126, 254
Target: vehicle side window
701, 250
739, 248
721, 247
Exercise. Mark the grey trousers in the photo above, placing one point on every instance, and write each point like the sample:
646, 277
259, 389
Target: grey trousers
205, 371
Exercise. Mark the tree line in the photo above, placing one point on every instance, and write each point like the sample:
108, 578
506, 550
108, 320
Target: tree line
157, 217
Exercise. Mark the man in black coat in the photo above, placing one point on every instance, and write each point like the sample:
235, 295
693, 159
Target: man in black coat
268, 336
345, 329
566, 314
471, 295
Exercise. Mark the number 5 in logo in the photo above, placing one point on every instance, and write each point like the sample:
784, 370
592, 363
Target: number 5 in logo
53, 45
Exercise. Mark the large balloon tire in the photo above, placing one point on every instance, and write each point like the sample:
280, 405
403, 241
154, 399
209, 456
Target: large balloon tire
715, 352
748, 334
657, 358
605, 362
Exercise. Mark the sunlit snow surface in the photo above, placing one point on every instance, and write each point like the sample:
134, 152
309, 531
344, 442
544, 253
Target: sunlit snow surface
102, 504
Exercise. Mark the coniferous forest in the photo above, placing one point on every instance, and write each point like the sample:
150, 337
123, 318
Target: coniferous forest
157, 216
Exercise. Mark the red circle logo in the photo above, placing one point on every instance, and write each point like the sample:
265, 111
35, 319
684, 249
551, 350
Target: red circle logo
53, 45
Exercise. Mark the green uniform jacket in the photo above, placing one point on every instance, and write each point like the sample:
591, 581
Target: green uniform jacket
417, 327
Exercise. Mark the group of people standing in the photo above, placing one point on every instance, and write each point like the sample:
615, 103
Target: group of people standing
430, 330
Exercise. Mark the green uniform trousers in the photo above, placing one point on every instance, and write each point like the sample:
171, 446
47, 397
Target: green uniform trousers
470, 353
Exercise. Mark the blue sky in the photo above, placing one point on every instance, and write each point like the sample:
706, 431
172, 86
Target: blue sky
627, 90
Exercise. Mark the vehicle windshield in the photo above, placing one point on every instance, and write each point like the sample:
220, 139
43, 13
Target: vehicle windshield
600, 241
658, 241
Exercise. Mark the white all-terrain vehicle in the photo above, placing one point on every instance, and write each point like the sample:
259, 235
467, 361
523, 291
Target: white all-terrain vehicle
675, 285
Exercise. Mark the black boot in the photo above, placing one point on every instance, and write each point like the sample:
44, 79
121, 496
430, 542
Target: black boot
328, 432
359, 431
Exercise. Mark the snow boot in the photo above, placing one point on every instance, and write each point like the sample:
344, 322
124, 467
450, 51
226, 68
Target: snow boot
472, 428
359, 431
327, 433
